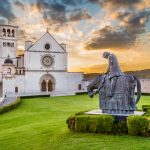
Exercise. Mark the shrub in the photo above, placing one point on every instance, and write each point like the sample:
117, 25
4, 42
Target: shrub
81, 123
120, 128
101, 123
146, 108
71, 122
135, 125
138, 125
8, 107
80, 113
91, 123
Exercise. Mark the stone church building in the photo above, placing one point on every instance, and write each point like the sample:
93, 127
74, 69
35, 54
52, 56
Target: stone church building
42, 69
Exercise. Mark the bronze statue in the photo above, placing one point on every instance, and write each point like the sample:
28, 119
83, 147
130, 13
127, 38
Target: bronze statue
115, 88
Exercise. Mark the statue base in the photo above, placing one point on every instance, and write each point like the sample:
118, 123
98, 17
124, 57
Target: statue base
107, 111
118, 117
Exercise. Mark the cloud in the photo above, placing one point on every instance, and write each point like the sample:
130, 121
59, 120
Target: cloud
3, 21
6, 10
116, 3
133, 21
130, 20
108, 37
19, 5
80, 15
73, 2
22, 34
59, 12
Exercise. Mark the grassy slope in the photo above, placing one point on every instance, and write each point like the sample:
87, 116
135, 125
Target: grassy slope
39, 124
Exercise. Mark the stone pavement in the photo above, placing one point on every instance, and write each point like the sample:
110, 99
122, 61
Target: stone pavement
8, 100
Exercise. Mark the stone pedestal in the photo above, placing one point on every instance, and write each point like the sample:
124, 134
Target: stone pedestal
118, 117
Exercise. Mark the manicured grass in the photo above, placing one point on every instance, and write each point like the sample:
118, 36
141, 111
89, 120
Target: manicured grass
39, 124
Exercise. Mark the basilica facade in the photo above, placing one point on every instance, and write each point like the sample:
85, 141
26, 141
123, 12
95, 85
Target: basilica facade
42, 69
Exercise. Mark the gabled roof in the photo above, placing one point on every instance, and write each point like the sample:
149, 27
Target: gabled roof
52, 38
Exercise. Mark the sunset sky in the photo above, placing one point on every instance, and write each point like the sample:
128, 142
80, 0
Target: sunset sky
88, 27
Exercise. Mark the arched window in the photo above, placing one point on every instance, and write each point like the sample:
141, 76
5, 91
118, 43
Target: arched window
16, 71
11, 44
50, 86
13, 33
8, 32
43, 86
4, 44
23, 71
4, 32
79, 87
16, 89
8, 44
8, 70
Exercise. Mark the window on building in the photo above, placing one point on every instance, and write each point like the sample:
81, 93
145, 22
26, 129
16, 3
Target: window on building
4, 44
16, 71
8, 70
16, 89
13, 33
4, 32
23, 71
8, 44
79, 87
11, 44
8, 32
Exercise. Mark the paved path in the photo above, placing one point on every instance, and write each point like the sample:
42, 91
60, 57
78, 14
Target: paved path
8, 100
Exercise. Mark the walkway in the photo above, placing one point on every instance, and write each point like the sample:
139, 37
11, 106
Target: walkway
8, 100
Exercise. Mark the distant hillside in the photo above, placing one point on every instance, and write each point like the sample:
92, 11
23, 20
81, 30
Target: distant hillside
140, 74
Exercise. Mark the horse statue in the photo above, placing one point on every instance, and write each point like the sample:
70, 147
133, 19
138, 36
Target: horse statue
116, 89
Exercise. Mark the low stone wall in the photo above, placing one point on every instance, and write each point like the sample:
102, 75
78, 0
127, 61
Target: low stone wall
11, 104
145, 85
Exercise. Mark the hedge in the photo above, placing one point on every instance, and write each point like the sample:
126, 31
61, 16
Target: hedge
135, 125
138, 125
8, 107
120, 128
94, 123
91, 123
146, 108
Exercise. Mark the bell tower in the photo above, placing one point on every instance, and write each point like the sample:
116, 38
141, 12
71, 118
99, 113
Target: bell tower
8, 44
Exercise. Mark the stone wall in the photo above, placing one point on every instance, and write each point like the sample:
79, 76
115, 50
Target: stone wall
145, 84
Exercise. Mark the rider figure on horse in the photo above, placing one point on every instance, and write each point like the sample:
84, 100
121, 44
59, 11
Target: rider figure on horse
113, 71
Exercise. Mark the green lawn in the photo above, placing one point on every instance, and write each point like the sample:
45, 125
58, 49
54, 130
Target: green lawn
39, 124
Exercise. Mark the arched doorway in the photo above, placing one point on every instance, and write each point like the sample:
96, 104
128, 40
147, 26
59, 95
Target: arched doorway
50, 86
47, 83
43, 86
